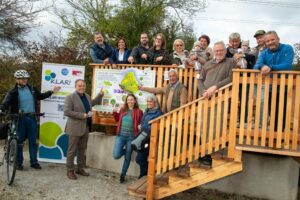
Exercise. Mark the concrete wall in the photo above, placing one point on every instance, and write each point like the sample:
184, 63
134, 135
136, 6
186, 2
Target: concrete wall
100, 155
263, 176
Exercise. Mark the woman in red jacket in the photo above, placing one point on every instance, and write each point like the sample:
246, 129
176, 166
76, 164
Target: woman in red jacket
128, 118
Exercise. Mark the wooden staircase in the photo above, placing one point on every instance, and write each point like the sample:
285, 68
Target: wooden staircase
179, 138
174, 182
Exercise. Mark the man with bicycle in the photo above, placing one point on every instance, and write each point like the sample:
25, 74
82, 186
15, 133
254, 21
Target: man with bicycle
23, 98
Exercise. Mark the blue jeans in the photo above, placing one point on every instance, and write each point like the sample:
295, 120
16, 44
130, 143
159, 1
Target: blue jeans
142, 160
27, 128
119, 151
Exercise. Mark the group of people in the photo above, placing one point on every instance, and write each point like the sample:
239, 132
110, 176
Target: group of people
218, 62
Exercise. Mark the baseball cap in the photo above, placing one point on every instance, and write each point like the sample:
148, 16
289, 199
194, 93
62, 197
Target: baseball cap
259, 32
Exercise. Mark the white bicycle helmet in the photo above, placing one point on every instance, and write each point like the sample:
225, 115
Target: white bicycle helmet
21, 74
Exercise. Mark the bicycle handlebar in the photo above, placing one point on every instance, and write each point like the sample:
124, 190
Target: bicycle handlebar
32, 114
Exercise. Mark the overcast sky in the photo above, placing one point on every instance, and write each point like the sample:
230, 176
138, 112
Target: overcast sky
223, 17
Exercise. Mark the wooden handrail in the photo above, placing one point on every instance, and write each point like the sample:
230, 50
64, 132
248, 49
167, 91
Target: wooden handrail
186, 105
258, 71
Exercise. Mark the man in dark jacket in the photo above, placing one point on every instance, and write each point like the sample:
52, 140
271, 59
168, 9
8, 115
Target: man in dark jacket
140, 54
100, 51
24, 98
234, 46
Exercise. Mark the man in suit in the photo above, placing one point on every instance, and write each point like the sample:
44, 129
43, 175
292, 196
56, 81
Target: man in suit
77, 108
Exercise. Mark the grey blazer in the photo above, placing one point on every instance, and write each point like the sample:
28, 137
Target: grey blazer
74, 110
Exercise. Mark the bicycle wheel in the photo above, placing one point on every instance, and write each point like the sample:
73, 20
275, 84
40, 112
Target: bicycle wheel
11, 158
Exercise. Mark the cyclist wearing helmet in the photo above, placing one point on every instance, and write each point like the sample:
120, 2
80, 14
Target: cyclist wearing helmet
24, 97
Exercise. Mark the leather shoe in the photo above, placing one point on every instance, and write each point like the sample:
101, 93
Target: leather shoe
71, 175
36, 166
82, 172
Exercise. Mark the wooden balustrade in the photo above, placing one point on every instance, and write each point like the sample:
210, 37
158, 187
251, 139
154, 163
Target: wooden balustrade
268, 114
189, 132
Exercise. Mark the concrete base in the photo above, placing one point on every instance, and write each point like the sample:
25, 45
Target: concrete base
100, 155
263, 176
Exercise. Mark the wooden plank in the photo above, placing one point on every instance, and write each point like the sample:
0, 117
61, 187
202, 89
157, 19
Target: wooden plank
280, 112
204, 130
159, 84
173, 136
93, 81
180, 73
185, 77
195, 91
152, 160
190, 85
269, 151
288, 116
204, 176
138, 183
211, 124
160, 145
233, 115
296, 114
218, 120
272, 112
225, 117
243, 108
265, 111
192, 133
250, 108
257, 109
179, 137
166, 144
185, 135
198, 129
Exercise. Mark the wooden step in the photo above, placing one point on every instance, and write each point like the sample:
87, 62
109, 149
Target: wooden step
199, 176
138, 188
173, 182
268, 150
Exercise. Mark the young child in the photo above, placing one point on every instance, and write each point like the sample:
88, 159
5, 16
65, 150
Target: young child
244, 49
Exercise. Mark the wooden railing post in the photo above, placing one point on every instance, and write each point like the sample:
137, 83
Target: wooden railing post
233, 114
152, 160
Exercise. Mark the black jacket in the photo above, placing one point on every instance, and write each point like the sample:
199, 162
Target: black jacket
11, 99
137, 52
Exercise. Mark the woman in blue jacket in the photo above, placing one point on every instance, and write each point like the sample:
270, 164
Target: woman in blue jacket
120, 54
152, 111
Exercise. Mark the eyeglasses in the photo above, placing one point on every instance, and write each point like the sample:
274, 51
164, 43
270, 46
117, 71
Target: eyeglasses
219, 50
179, 45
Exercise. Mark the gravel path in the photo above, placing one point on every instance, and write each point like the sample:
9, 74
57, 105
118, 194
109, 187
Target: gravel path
51, 183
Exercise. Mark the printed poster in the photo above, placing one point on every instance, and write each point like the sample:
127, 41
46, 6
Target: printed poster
116, 84
53, 140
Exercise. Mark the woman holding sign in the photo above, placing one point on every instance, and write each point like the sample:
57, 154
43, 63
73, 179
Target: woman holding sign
128, 117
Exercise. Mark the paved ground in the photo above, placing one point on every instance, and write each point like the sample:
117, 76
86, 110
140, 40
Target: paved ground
51, 183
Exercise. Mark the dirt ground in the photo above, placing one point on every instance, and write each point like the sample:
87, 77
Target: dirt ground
51, 183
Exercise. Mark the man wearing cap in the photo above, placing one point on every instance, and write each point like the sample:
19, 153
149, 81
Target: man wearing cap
260, 39
276, 56
24, 97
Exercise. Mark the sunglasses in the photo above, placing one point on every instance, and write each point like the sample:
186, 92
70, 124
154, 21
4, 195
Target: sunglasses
179, 45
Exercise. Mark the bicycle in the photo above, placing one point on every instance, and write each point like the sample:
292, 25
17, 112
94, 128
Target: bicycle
11, 144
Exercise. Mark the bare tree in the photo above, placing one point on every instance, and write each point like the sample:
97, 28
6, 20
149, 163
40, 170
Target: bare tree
17, 17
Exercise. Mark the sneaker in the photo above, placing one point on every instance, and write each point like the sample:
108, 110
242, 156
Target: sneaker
36, 166
20, 167
122, 179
